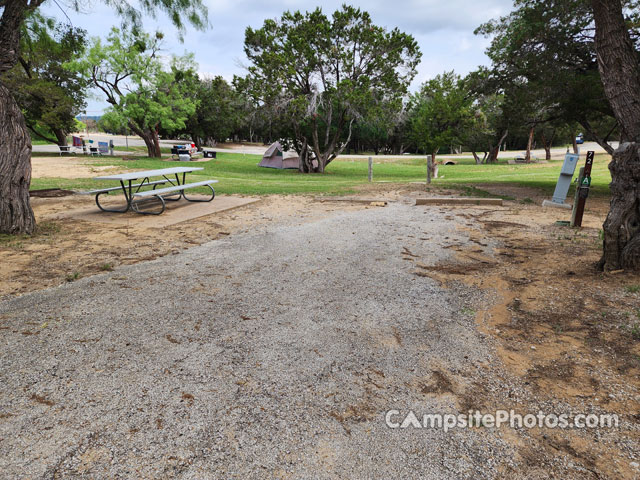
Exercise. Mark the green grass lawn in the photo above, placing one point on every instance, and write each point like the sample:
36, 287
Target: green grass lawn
138, 149
239, 173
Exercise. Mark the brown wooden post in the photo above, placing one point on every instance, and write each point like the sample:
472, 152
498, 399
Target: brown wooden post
583, 192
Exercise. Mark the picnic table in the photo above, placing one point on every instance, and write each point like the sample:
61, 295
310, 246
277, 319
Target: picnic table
132, 184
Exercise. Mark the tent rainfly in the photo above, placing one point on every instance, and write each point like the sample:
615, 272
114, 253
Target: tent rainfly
276, 157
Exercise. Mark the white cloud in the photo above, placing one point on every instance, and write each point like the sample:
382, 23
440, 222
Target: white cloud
444, 30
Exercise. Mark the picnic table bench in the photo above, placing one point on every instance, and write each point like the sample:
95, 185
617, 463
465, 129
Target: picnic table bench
67, 150
139, 180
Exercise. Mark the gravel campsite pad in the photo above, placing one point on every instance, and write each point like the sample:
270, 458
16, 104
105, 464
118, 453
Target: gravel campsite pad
273, 353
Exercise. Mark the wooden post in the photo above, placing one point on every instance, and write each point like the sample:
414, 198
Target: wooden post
429, 168
583, 191
576, 197
370, 169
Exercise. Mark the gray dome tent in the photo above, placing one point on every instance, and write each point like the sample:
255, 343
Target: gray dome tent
276, 157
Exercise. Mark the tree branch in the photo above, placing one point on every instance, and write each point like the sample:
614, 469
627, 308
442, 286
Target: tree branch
603, 143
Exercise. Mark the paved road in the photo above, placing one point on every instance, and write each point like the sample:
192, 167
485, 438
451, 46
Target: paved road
118, 140
274, 353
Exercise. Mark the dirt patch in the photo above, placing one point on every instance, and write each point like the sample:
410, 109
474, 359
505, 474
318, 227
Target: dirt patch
65, 249
439, 384
567, 334
571, 334
50, 193
70, 167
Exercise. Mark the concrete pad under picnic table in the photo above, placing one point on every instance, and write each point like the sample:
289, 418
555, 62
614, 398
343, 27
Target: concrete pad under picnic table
176, 212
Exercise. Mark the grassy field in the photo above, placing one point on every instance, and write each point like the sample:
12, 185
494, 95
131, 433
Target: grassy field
239, 173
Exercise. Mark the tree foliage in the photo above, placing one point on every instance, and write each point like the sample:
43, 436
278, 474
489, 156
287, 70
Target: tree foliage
138, 87
439, 113
544, 59
49, 95
219, 111
325, 73
486, 129
16, 215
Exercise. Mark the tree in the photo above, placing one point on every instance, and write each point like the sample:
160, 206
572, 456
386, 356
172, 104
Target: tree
620, 71
113, 123
218, 113
378, 125
16, 215
49, 95
526, 109
439, 113
136, 85
485, 132
590, 75
325, 73
546, 47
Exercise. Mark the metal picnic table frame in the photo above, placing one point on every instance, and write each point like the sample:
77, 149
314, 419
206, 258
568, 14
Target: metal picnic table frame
129, 189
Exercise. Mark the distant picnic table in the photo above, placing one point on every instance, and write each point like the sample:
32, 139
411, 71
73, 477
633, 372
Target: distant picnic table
133, 183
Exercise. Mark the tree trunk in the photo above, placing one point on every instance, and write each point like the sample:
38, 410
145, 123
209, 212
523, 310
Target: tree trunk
148, 141
547, 144
306, 165
16, 215
493, 154
575, 145
527, 157
622, 226
150, 138
156, 143
147, 136
620, 74
476, 158
61, 136
618, 65
494, 151
196, 141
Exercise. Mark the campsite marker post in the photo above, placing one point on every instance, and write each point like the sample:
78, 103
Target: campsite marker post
582, 191
370, 169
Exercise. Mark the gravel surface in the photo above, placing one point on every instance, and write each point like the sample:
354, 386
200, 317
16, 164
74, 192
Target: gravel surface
270, 354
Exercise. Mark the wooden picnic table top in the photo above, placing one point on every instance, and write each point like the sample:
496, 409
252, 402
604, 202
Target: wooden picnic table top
149, 173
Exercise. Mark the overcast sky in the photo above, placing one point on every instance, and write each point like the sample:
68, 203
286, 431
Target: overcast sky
443, 29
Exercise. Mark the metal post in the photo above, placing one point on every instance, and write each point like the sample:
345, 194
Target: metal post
429, 168
370, 169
